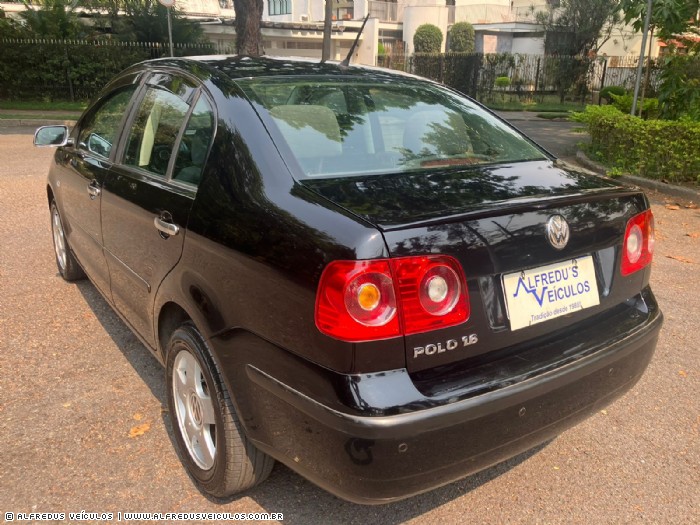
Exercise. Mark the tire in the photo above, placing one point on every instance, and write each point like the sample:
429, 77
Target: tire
208, 433
66, 262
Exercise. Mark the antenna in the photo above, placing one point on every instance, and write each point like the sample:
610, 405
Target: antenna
346, 62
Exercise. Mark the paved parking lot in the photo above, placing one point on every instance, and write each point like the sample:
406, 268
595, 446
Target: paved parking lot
74, 382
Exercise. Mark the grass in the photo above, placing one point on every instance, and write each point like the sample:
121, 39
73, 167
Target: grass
547, 104
554, 115
37, 116
41, 105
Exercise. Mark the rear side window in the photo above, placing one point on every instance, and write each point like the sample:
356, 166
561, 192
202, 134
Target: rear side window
354, 126
155, 130
194, 145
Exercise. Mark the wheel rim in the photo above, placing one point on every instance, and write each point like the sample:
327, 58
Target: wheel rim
59, 240
194, 410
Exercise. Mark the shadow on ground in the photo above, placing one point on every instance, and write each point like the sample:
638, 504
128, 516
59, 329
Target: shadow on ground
299, 500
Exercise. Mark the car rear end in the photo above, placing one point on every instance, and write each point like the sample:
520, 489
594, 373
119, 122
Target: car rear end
480, 391
515, 293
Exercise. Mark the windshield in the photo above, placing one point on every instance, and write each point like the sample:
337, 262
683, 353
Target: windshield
351, 126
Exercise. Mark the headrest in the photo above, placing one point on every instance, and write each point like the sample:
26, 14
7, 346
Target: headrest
310, 130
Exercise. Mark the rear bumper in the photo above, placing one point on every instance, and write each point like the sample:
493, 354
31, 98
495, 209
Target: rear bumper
323, 427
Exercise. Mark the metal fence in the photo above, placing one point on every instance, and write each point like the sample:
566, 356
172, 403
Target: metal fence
77, 69
528, 75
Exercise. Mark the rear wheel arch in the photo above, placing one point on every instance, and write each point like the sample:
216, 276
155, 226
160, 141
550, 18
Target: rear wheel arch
170, 317
49, 194
234, 464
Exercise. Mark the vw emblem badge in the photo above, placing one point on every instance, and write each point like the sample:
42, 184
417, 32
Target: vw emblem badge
558, 231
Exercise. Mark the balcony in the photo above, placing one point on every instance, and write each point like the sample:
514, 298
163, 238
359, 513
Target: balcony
492, 13
386, 11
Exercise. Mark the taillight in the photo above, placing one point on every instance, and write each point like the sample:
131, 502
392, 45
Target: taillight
380, 299
356, 301
638, 245
432, 292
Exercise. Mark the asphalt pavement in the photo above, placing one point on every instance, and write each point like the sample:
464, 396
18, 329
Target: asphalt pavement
560, 137
84, 424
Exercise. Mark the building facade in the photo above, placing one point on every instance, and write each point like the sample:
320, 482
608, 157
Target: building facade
295, 27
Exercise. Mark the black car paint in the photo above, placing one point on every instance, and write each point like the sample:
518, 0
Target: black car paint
360, 419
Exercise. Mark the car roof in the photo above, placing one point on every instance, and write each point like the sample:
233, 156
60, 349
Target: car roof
237, 67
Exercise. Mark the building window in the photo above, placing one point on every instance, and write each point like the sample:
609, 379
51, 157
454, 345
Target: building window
279, 7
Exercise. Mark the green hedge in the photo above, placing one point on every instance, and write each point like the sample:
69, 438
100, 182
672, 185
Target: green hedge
657, 149
72, 70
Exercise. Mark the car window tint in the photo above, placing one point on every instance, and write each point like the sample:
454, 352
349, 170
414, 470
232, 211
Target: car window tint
155, 130
98, 131
194, 145
177, 85
349, 126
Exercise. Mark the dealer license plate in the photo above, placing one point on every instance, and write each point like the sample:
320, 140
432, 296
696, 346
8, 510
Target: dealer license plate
540, 294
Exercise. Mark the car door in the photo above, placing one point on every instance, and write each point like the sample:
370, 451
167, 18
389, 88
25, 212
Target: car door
84, 168
147, 196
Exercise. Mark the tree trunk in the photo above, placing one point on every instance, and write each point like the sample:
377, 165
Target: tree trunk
248, 37
326, 50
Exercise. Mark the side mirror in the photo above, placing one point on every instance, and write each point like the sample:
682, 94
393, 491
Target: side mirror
51, 136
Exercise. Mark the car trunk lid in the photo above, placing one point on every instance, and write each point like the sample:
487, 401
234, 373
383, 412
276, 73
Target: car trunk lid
493, 220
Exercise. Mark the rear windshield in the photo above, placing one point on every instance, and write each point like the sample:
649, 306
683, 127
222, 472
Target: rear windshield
348, 127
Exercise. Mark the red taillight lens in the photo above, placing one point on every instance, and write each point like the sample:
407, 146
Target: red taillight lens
369, 300
432, 292
356, 301
638, 245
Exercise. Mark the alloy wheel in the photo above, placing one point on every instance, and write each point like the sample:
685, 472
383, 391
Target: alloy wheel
194, 410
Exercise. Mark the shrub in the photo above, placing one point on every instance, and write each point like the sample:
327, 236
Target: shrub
622, 102
679, 93
502, 82
656, 149
607, 91
461, 37
427, 39
649, 106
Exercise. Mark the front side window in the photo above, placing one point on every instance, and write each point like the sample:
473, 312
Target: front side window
353, 126
99, 130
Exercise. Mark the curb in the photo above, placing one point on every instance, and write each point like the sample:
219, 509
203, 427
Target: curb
650, 184
35, 122
516, 116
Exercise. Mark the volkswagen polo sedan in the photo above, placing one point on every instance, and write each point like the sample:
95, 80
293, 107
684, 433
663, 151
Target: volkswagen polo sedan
359, 273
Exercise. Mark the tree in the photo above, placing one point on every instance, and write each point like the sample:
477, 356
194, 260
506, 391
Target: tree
144, 21
248, 37
427, 39
578, 27
461, 37
327, 22
147, 21
54, 19
9, 28
670, 17
677, 22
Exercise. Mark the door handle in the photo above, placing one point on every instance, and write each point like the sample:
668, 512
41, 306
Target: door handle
93, 190
167, 228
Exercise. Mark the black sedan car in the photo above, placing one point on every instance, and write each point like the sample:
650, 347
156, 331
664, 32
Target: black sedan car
356, 272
